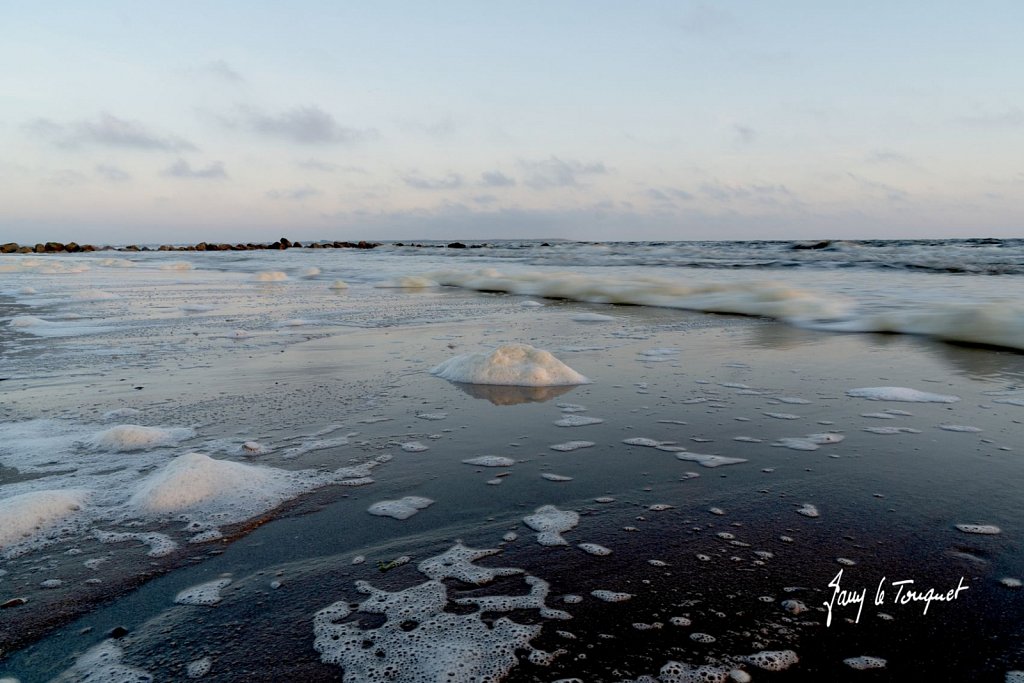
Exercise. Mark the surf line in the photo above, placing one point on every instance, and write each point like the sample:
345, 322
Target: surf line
905, 594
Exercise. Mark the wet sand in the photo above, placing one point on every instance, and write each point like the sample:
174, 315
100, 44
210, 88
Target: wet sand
733, 543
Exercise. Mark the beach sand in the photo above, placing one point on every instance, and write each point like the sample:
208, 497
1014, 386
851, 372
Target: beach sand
702, 551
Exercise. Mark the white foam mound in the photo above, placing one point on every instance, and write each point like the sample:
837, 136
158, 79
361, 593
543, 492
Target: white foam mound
124, 438
339, 284
770, 299
510, 365
270, 276
900, 394
31, 518
220, 491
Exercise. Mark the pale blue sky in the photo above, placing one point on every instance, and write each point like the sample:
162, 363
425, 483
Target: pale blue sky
150, 122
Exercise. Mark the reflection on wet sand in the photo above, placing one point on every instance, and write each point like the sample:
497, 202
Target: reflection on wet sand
501, 395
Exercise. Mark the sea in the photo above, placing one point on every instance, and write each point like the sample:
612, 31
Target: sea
521, 460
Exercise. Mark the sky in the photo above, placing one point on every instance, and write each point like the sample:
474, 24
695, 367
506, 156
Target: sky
231, 121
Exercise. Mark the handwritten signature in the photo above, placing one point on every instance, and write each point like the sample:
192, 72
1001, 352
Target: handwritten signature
905, 593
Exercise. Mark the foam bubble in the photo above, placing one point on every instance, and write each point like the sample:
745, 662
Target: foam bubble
569, 446
680, 672
783, 416
490, 461
270, 276
983, 529
594, 549
808, 510
205, 594
339, 284
643, 441
577, 421
610, 596
592, 318
811, 442
960, 428
403, 508
773, 660
555, 477
414, 447
900, 394
705, 460
199, 667
551, 523
124, 438
177, 266
863, 663
892, 430
509, 365
457, 563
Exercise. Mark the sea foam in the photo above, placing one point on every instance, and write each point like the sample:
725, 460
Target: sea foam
509, 365
769, 299
31, 519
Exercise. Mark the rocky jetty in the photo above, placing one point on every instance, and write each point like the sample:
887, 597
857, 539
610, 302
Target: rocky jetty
283, 243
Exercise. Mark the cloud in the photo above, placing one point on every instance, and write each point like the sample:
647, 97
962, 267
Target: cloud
744, 134
221, 70
1011, 118
312, 164
668, 194
308, 125
109, 131
452, 181
112, 173
704, 18
496, 179
555, 172
892, 193
295, 194
182, 169
752, 192
65, 177
885, 156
